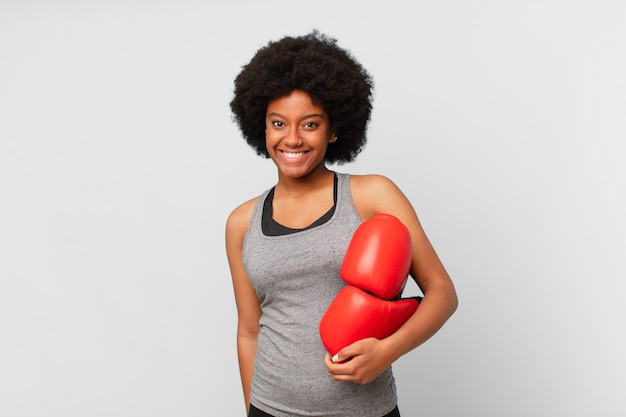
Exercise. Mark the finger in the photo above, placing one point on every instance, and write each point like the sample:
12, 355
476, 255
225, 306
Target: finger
334, 368
346, 353
328, 362
337, 368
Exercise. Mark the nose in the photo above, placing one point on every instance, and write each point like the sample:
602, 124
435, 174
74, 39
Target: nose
292, 138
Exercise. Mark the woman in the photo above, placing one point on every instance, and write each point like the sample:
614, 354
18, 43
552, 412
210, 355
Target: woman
305, 102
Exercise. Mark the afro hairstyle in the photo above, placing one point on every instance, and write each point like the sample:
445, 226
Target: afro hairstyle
313, 63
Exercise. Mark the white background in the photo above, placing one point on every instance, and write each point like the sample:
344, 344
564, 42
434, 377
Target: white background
503, 122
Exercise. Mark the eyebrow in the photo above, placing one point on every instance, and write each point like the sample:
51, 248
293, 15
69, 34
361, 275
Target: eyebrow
308, 116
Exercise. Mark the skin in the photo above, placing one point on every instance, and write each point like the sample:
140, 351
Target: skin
298, 133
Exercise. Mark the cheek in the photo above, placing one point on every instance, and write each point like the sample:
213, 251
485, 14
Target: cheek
270, 139
270, 143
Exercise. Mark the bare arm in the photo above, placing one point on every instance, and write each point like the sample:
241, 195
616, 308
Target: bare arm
248, 304
372, 195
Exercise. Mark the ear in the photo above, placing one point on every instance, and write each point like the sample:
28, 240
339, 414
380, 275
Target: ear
333, 137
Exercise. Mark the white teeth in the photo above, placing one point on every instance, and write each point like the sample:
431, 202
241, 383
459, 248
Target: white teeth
293, 154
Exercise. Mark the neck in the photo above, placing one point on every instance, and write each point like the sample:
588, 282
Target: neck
316, 178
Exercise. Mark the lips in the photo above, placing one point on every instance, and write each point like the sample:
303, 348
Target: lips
292, 155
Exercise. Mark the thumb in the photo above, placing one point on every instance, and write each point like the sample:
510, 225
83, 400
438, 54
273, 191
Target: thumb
344, 355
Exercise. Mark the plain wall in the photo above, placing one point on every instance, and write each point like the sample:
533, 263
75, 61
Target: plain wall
503, 122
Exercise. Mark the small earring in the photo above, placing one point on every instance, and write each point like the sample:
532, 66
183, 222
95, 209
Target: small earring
334, 139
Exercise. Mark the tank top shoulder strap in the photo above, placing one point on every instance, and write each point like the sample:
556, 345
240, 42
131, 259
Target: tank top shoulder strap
254, 227
345, 205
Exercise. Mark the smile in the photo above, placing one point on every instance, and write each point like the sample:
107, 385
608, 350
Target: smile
293, 155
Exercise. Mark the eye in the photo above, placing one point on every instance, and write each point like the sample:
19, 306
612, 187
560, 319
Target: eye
278, 123
310, 125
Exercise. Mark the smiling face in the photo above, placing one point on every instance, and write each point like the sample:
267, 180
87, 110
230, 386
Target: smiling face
297, 133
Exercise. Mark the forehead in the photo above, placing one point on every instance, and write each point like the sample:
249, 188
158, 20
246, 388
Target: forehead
295, 103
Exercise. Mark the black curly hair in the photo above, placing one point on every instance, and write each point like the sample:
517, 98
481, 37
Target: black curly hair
313, 63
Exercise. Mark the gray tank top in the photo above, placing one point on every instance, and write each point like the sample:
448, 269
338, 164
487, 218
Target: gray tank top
296, 276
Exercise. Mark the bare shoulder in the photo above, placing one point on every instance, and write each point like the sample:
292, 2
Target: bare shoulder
239, 219
373, 194
369, 180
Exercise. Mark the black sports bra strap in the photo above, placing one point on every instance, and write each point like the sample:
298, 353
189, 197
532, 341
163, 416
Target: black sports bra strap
271, 227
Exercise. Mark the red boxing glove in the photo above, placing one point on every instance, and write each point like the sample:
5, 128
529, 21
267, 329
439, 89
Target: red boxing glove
354, 315
378, 258
376, 267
